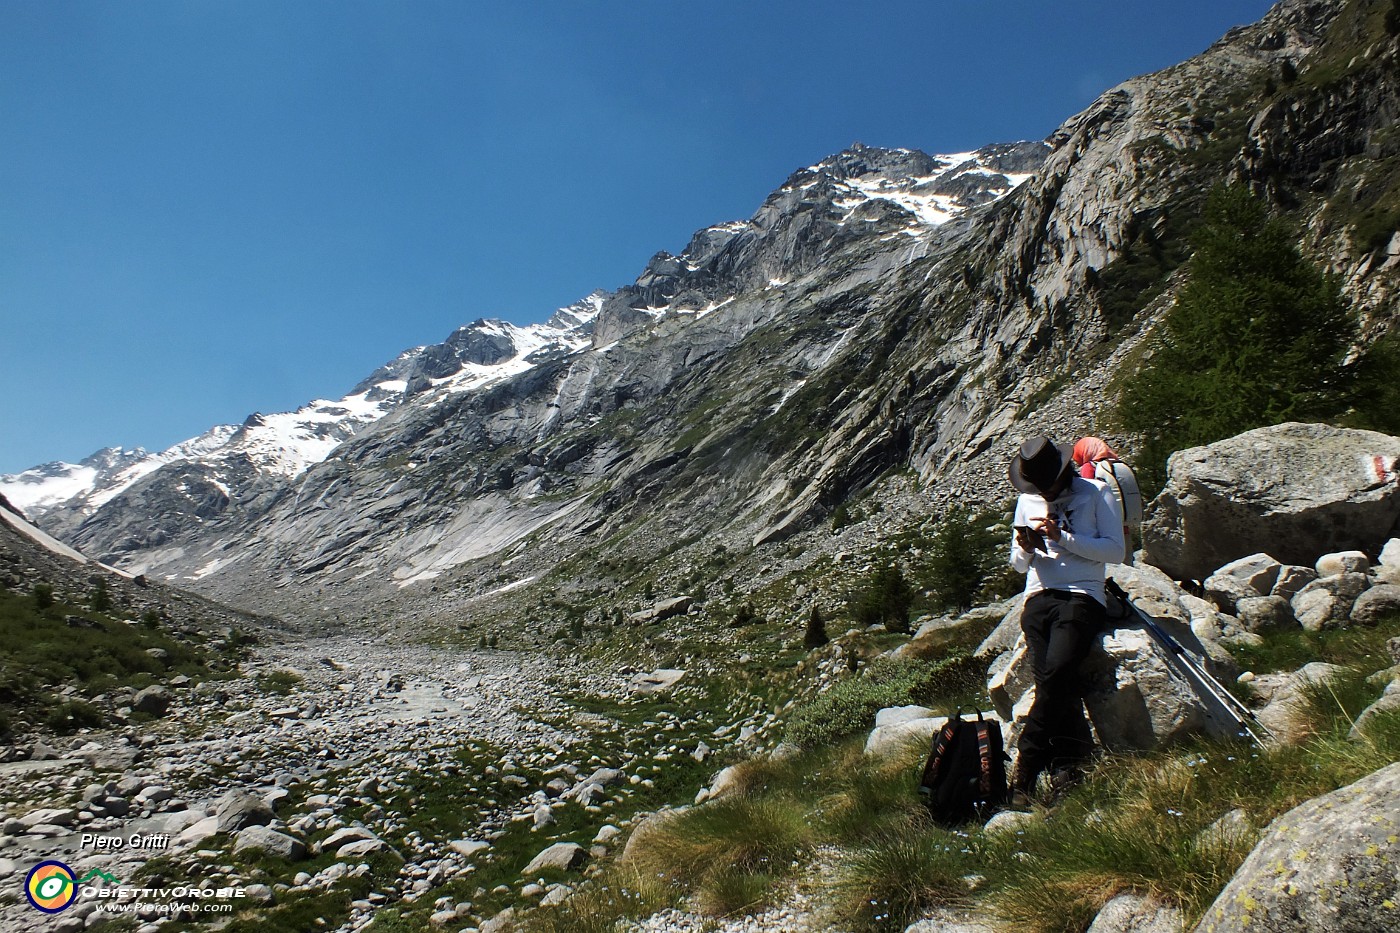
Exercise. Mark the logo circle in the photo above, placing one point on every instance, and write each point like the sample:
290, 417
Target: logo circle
51, 887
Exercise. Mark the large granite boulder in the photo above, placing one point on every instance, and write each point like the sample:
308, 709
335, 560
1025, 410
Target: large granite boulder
562, 856
1293, 491
263, 839
1328, 864
1135, 697
1136, 692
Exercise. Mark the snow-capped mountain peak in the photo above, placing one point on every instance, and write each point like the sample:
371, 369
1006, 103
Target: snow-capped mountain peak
285, 444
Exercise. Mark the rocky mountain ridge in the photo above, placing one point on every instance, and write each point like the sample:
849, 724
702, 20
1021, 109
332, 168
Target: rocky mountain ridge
140, 503
739, 393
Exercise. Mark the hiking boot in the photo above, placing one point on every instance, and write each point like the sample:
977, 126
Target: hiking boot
1064, 780
1020, 800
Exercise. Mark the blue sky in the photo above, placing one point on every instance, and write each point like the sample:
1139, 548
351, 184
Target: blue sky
213, 208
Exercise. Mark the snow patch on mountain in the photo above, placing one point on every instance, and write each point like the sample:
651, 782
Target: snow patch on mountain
287, 443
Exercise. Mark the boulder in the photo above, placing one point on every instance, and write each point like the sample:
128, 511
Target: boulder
1376, 603
562, 856
932, 638
110, 758
1132, 913
468, 847
500, 923
1286, 714
654, 823
1134, 699
659, 681
726, 782
50, 816
362, 848
666, 609
1262, 613
1387, 567
343, 836
605, 777
153, 701
1329, 565
1008, 630
262, 839
239, 809
1257, 571
1297, 490
1009, 678
1327, 601
1389, 703
1246, 578
196, 833
1328, 864
899, 727
1234, 829
1226, 591
1291, 579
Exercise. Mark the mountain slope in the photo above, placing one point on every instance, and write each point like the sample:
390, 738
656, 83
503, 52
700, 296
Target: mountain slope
161, 504
738, 393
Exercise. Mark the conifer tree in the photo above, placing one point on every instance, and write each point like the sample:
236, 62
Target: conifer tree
816, 631
1257, 336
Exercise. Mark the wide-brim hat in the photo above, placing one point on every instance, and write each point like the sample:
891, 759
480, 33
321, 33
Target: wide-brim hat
1039, 463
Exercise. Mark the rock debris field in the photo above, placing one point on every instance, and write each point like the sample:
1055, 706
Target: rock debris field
326, 762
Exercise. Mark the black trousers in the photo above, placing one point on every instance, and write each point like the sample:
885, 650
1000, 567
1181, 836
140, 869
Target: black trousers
1060, 627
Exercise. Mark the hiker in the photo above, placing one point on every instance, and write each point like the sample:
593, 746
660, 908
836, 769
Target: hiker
1066, 529
1099, 462
1088, 451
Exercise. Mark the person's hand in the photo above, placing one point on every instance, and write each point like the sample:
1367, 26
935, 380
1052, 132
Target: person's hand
1050, 527
1023, 540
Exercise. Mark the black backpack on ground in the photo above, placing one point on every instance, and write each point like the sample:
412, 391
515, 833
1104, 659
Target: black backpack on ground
964, 778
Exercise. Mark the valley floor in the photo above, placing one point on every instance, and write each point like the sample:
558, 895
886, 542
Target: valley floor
359, 719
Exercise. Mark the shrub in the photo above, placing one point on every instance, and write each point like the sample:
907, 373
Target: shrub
43, 596
100, 600
815, 635
279, 682
70, 716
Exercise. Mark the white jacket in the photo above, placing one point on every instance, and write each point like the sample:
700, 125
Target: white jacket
1091, 536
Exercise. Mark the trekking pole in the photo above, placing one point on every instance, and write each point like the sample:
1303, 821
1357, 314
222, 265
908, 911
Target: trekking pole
1204, 685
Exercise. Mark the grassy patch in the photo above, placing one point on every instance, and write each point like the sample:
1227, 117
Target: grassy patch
43, 649
728, 854
850, 705
900, 873
1356, 646
1174, 825
281, 683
